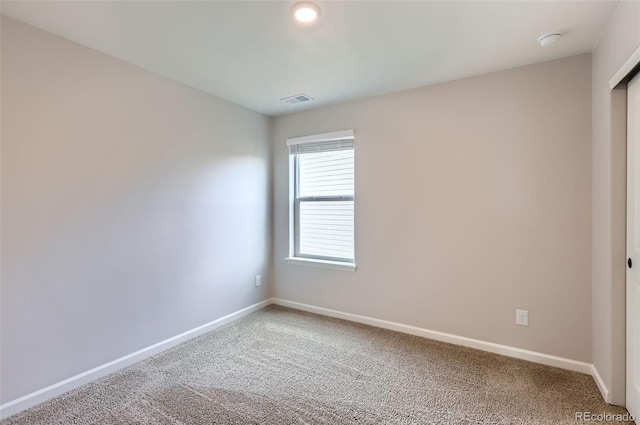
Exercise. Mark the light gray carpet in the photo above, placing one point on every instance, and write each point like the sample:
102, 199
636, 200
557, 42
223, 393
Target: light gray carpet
281, 366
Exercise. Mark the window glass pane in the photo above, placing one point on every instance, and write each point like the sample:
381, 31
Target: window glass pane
326, 174
326, 229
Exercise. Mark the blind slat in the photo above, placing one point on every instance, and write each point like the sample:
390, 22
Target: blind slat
319, 175
321, 146
326, 228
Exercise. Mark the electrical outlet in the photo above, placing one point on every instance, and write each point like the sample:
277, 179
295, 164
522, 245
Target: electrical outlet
522, 317
258, 280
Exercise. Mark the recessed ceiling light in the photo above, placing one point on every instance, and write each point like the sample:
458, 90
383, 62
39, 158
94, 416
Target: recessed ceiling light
547, 39
305, 12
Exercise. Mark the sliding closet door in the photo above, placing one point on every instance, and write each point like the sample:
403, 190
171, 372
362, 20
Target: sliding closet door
633, 247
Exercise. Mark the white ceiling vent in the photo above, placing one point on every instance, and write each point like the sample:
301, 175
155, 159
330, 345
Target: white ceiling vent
298, 98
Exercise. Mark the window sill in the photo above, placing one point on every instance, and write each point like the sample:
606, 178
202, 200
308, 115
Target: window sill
336, 265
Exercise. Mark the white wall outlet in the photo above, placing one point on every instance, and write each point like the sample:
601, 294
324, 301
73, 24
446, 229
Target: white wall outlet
258, 280
522, 317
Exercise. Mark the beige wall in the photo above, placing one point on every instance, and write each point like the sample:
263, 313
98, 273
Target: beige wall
617, 43
134, 208
473, 198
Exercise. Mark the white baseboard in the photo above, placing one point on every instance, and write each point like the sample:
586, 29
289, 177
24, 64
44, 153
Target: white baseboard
491, 347
601, 385
44, 394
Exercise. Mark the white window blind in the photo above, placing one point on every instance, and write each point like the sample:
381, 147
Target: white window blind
324, 195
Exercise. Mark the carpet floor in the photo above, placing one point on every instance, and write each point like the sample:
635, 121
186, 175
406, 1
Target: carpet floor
282, 366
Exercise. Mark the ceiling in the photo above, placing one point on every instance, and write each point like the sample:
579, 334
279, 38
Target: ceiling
252, 54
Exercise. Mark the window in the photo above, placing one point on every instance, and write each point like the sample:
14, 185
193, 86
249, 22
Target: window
322, 200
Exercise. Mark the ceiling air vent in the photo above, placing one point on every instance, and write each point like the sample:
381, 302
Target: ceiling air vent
298, 98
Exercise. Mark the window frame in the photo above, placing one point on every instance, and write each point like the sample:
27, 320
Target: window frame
295, 257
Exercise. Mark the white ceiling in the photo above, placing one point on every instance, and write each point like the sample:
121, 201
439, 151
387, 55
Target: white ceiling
251, 53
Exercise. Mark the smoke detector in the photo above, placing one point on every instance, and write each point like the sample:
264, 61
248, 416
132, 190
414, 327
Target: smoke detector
548, 39
298, 98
